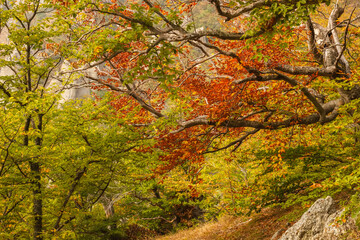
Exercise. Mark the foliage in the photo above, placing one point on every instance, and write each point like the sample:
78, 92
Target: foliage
200, 108
207, 90
57, 158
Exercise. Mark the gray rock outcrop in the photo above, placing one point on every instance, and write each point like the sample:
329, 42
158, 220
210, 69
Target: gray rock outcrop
322, 221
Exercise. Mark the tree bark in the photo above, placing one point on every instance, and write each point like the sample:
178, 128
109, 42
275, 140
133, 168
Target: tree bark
35, 173
37, 200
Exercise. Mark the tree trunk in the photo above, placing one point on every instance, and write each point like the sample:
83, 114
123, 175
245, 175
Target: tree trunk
35, 171
37, 200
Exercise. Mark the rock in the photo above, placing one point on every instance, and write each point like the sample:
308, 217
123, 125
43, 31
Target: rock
321, 222
277, 234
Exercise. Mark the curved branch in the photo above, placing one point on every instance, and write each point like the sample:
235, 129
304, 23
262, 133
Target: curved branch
306, 92
236, 142
335, 14
296, 70
142, 103
311, 41
345, 43
133, 20
227, 35
330, 108
258, 78
240, 11
174, 26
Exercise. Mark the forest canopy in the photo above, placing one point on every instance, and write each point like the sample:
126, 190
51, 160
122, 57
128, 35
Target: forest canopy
124, 119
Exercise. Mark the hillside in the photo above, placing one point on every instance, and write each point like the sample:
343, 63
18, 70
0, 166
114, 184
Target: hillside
260, 226
327, 218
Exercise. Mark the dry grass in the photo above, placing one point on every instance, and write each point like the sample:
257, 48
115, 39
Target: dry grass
260, 227
224, 227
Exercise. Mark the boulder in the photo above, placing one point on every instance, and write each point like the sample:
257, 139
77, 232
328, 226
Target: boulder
322, 221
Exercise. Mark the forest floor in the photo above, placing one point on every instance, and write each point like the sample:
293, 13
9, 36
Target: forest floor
261, 226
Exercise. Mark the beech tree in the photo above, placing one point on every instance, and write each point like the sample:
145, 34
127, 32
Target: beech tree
57, 157
269, 67
237, 84
273, 67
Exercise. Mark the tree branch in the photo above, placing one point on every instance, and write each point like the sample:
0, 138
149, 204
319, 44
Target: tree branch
335, 14
296, 70
311, 42
306, 92
246, 9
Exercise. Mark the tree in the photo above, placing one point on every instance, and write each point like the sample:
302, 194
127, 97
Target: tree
273, 67
263, 71
26, 75
57, 157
